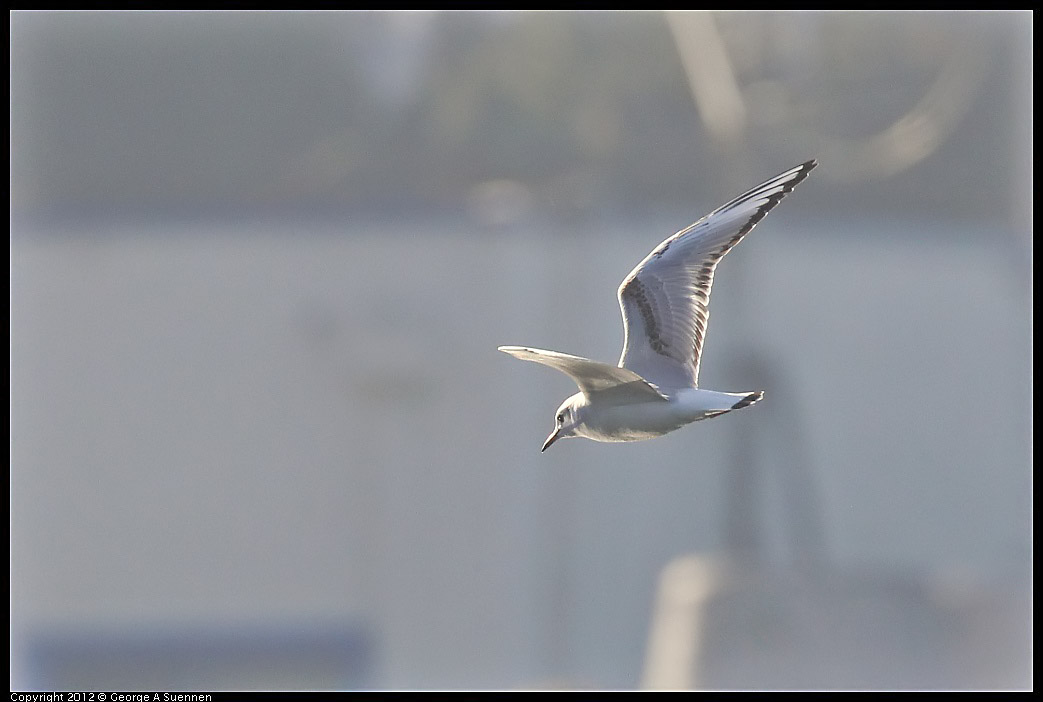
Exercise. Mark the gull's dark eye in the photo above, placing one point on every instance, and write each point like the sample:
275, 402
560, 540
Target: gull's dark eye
561, 417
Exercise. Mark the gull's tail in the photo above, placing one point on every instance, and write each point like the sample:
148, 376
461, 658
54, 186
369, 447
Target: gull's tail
748, 400
737, 400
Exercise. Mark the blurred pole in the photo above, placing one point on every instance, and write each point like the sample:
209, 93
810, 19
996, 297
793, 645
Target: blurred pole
711, 77
779, 431
687, 585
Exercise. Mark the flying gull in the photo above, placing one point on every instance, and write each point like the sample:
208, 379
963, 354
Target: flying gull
664, 300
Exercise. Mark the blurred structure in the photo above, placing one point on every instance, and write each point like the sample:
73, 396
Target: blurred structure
721, 626
260, 265
184, 658
596, 112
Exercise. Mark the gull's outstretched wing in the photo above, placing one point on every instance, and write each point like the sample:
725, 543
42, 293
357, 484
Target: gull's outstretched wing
665, 298
592, 377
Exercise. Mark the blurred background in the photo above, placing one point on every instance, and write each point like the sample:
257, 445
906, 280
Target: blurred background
261, 437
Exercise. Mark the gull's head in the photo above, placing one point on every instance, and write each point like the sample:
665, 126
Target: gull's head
566, 420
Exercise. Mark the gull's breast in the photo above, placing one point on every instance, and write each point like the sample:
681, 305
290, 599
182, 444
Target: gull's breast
635, 422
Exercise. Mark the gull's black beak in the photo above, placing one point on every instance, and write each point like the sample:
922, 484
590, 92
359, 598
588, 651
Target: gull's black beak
554, 435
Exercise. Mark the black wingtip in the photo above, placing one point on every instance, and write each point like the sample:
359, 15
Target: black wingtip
804, 170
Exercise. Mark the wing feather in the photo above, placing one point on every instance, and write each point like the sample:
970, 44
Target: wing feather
665, 299
592, 377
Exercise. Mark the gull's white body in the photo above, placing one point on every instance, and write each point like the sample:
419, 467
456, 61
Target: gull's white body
647, 420
664, 301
